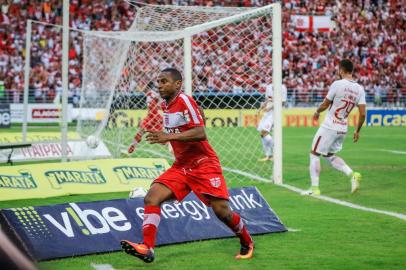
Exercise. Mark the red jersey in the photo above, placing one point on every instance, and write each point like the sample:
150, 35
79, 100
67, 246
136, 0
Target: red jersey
180, 115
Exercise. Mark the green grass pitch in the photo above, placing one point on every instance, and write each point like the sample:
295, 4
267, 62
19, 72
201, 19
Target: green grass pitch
328, 236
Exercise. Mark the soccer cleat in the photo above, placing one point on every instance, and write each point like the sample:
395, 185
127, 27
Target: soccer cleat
246, 252
140, 251
315, 191
265, 159
355, 181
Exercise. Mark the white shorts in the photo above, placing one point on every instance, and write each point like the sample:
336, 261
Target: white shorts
328, 141
266, 122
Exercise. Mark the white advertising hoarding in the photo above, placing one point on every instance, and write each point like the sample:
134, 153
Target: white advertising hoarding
39, 113
53, 150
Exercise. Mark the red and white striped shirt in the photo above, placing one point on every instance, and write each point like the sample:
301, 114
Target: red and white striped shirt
180, 115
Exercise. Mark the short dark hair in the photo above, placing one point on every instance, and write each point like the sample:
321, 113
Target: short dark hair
347, 66
175, 74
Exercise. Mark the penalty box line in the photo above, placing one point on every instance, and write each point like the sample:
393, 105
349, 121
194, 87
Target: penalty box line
298, 190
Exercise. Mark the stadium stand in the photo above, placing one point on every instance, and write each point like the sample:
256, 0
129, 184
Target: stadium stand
309, 58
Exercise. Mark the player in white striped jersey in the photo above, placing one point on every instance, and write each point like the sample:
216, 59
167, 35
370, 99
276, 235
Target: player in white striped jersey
342, 97
266, 123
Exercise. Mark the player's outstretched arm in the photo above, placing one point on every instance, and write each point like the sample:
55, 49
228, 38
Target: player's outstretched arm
323, 106
361, 120
191, 135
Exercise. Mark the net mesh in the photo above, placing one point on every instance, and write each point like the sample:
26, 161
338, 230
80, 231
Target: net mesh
231, 67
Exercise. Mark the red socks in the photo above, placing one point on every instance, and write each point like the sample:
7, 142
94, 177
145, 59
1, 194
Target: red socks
150, 225
152, 218
237, 226
138, 137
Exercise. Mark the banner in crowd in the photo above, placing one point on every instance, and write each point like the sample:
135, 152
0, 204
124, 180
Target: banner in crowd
292, 117
93, 227
38, 113
49, 150
5, 116
310, 23
93, 176
381, 117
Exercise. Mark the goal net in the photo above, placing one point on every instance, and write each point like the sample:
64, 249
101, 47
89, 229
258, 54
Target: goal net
227, 59
225, 55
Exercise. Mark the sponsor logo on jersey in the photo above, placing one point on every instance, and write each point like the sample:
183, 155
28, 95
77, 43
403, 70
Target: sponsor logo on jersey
338, 122
177, 119
172, 130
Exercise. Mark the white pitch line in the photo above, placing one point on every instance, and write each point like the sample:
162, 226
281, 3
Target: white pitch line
348, 204
298, 190
256, 177
102, 266
332, 200
394, 151
293, 230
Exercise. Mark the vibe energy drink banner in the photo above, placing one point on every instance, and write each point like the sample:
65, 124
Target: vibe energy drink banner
73, 229
84, 177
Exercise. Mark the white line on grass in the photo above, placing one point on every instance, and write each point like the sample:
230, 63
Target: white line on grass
394, 151
348, 204
298, 190
256, 177
328, 199
102, 266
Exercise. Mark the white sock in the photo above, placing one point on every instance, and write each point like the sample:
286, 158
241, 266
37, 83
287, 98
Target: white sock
314, 169
269, 144
339, 164
264, 145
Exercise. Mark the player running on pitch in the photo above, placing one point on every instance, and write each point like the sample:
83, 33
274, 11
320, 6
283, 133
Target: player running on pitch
196, 168
266, 123
342, 97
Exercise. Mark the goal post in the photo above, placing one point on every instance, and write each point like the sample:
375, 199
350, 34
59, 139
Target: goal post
228, 57
277, 86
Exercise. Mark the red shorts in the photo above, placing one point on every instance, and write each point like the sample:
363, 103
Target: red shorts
204, 179
152, 123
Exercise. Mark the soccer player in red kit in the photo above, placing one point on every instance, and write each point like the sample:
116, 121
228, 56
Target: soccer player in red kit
196, 168
152, 122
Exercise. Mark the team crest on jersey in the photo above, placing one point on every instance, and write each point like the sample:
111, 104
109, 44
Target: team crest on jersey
186, 116
215, 182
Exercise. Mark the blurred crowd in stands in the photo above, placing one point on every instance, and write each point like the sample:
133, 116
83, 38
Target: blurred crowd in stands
371, 33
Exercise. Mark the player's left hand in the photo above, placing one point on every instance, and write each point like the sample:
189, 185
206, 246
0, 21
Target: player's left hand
157, 137
356, 136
